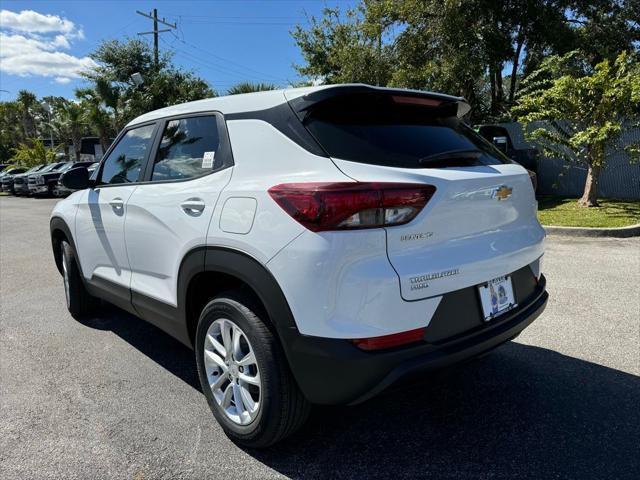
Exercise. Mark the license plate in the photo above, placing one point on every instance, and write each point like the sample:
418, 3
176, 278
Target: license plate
496, 297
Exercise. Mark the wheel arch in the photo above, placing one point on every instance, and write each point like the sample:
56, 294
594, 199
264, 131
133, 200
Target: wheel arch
208, 271
60, 231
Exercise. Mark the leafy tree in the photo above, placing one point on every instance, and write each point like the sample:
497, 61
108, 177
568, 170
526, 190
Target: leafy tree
602, 29
584, 110
102, 120
163, 84
162, 89
32, 153
10, 129
346, 48
28, 107
248, 87
449, 47
479, 49
73, 121
57, 126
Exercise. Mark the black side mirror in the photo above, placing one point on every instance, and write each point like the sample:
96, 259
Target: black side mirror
76, 179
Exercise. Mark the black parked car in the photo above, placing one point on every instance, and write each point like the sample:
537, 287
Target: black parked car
59, 190
7, 178
20, 185
42, 182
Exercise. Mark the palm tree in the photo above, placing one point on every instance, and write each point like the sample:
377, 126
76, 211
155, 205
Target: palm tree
74, 121
102, 121
110, 96
27, 103
248, 87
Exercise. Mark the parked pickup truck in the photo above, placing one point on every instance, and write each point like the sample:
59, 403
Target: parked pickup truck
42, 182
20, 181
59, 190
509, 139
7, 178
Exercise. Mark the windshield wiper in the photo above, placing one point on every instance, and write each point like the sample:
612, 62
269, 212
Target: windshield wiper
451, 155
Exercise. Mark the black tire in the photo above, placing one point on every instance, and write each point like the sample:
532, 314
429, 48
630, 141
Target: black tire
283, 408
79, 302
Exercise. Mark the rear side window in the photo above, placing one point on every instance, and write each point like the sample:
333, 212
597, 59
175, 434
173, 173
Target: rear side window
378, 130
127, 157
187, 149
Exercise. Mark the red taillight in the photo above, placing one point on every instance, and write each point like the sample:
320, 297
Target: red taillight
345, 206
389, 341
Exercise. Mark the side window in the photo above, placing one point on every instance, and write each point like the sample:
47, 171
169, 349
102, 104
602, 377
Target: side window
126, 159
187, 149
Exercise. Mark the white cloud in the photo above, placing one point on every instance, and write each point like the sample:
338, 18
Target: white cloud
29, 21
61, 41
32, 44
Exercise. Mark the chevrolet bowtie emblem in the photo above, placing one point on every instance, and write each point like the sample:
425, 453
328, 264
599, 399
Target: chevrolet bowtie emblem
502, 193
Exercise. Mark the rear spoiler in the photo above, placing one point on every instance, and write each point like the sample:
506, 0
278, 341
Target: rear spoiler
304, 104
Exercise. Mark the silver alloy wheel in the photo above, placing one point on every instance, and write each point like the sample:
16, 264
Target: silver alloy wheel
232, 371
65, 277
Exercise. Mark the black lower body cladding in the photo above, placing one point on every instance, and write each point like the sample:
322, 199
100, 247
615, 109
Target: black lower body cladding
333, 371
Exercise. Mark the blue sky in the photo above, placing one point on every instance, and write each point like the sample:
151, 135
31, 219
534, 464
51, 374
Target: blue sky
43, 44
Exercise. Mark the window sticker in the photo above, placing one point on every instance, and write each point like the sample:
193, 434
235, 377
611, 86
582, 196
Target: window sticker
207, 159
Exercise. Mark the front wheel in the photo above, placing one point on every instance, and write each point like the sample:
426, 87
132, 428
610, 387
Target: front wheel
79, 301
244, 375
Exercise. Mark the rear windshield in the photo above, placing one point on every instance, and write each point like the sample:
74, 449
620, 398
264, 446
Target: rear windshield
375, 129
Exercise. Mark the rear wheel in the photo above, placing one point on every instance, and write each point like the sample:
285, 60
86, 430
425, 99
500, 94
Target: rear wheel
244, 375
79, 301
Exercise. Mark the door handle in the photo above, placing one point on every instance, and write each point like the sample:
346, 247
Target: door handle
193, 206
116, 202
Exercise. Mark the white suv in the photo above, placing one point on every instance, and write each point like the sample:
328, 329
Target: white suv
312, 245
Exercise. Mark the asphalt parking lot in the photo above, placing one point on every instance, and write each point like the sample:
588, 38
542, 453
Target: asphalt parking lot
115, 398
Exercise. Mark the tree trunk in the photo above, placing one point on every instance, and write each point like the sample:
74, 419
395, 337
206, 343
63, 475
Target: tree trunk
469, 93
499, 89
516, 63
590, 195
104, 142
76, 139
492, 81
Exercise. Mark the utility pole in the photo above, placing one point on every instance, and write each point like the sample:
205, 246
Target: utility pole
154, 16
47, 107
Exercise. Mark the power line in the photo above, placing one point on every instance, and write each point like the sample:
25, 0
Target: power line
243, 17
244, 67
226, 70
239, 23
155, 31
221, 69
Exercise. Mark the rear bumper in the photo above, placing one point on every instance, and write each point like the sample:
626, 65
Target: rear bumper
333, 371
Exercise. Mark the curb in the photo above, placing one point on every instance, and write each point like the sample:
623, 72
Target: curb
620, 232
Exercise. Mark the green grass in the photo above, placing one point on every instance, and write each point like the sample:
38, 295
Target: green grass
567, 213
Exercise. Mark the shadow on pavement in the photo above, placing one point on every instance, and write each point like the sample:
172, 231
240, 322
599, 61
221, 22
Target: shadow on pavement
521, 412
149, 340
